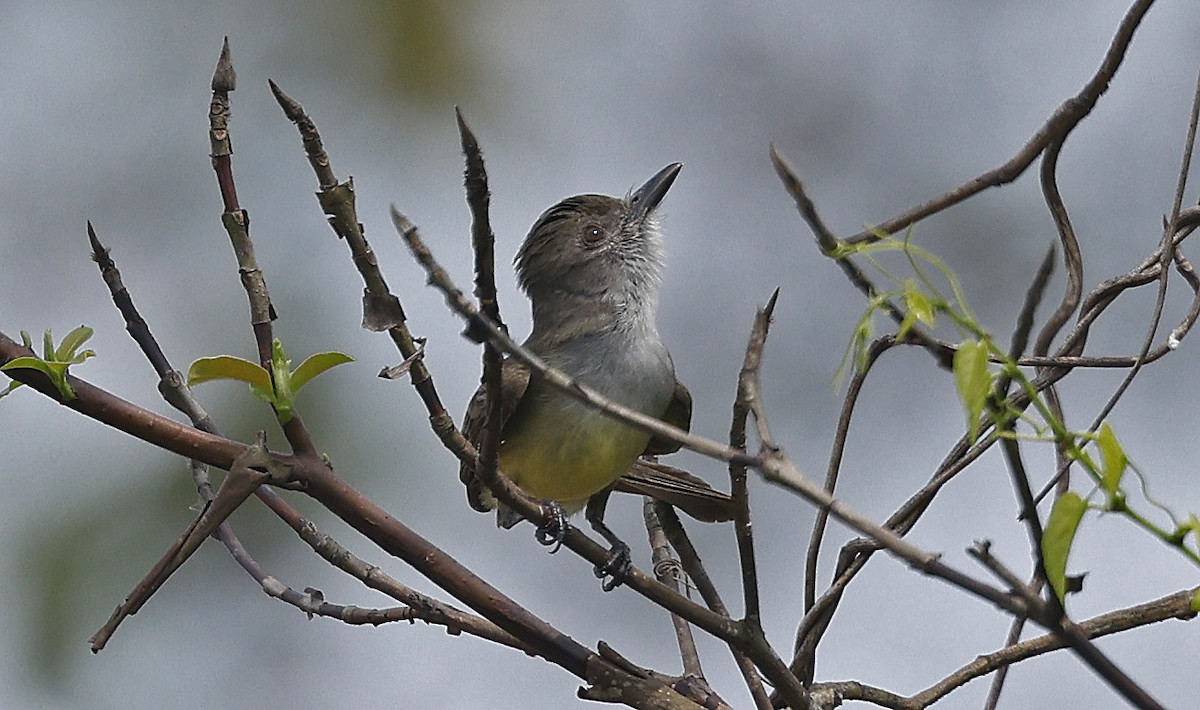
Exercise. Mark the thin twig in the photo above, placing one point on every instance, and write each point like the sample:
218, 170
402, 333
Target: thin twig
828, 244
694, 568
249, 471
1165, 251
808, 634
1072, 257
749, 400
1068, 114
1189, 145
176, 392
483, 243
236, 219
1173, 606
382, 311
1017, 345
668, 571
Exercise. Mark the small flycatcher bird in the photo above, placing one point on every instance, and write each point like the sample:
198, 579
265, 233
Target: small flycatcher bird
591, 267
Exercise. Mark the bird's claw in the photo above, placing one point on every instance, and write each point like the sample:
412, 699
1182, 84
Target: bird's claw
615, 567
554, 526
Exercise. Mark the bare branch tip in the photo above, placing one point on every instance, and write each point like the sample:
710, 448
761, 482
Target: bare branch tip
784, 170
99, 251
1047, 265
769, 309
780, 162
402, 223
291, 108
224, 78
469, 143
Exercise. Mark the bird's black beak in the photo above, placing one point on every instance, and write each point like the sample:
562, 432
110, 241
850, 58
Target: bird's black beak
646, 198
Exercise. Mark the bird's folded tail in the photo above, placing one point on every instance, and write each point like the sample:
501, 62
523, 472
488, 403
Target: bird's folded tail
679, 488
668, 484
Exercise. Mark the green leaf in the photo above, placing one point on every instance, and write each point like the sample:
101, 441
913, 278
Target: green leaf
56, 361
1058, 537
918, 303
1114, 461
974, 382
314, 365
228, 367
27, 341
278, 387
66, 349
1195, 605
55, 371
19, 362
918, 307
862, 342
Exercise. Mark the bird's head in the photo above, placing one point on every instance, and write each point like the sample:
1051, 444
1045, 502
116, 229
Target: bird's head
598, 248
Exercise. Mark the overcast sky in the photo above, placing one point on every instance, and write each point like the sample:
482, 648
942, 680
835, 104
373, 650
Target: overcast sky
879, 106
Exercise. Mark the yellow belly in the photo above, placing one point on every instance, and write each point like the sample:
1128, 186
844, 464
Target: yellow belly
568, 456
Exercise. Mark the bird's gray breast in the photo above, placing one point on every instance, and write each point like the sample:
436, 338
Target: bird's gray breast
634, 370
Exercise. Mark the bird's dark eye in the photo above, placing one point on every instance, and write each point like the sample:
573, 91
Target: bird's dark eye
593, 234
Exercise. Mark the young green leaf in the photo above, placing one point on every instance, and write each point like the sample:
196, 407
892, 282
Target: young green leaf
1060, 532
65, 352
281, 374
228, 367
27, 341
918, 307
56, 361
316, 364
279, 387
974, 382
1112, 456
56, 372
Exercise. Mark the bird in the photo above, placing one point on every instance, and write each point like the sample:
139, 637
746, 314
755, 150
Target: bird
591, 267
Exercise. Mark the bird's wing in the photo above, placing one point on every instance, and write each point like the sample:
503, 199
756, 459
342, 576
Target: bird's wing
678, 414
514, 378
672, 485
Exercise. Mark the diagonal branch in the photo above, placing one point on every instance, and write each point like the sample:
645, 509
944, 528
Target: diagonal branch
1068, 114
251, 469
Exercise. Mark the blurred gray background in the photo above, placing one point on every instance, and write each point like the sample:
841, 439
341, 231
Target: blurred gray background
879, 105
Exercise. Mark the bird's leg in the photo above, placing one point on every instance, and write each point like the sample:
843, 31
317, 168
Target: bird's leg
617, 564
554, 526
